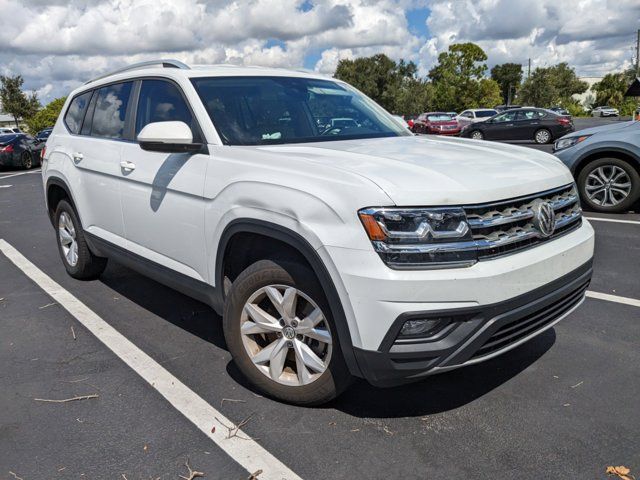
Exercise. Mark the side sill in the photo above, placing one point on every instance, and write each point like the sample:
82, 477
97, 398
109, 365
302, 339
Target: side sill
182, 283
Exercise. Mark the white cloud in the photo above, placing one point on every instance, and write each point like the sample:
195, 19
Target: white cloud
58, 44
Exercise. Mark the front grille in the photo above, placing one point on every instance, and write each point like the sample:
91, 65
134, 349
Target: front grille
516, 330
504, 227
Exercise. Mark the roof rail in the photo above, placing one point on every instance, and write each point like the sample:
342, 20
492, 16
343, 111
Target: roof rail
151, 63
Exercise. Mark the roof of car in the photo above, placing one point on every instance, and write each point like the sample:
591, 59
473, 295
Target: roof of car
166, 68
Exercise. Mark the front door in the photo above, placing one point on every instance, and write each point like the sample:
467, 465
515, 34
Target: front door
162, 193
500, 127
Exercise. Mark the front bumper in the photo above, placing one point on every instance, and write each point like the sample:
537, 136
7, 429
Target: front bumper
480, 334
375, 297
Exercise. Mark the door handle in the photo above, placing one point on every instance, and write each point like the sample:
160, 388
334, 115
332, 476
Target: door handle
77, 157
127, 166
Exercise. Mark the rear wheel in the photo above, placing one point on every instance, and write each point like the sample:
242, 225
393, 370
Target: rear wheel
78, 260
542, 136
279, 330
26, 160
609, 185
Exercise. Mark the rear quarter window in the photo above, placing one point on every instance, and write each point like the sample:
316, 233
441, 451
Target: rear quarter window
75, 113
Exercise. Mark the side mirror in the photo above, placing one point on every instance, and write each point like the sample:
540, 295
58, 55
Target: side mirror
168, 137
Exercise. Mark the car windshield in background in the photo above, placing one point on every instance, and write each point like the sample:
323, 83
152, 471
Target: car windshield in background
268, 110
486, 113
439, 118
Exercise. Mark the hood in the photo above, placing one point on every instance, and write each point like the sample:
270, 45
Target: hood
423, 171
605, 128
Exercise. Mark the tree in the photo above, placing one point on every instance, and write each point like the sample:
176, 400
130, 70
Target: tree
389, 83
611, 89
45, 117
459, 82
551, 86
14, 101
509, 77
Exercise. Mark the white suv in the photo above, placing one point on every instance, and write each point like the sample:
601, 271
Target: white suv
331, 249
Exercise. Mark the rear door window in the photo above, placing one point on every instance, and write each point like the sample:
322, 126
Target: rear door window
110, 111
75, 114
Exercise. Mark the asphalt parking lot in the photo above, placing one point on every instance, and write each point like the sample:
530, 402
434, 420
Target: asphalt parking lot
564, 405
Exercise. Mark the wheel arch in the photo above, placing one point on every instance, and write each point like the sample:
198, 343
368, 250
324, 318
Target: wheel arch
297, 245
56, 190
606, 152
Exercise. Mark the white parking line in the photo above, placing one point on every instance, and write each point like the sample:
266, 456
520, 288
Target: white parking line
248, 453
2, 177
613, 220
613, 298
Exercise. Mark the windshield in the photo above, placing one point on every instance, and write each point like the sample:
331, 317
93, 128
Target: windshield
440, 117
275, 110
486, 113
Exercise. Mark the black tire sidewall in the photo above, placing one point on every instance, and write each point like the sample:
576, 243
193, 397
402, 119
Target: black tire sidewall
621, 207
269, 272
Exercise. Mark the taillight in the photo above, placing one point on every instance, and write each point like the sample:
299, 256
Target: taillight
563, 121
7, 149
43, 152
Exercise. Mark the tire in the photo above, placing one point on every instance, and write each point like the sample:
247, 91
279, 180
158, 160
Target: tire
621, 178
26, 160
82, 264
256, 350
542, 136
476, 135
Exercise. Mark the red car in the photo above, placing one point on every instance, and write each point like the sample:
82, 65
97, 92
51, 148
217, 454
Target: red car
436, 123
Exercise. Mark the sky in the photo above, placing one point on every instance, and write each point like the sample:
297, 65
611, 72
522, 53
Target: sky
58, 44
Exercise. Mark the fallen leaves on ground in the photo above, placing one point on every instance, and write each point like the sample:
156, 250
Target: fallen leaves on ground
621, 472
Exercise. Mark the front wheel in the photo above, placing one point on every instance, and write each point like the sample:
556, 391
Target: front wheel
477, 135
609, 185
281, 335
542, 136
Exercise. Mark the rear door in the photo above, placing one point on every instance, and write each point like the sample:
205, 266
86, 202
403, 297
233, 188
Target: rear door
96, 122
162, 193
526, 124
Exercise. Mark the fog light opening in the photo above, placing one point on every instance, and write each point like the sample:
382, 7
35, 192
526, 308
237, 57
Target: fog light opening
423, 327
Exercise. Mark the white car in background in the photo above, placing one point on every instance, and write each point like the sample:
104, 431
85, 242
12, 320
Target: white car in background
475, 115
605, 112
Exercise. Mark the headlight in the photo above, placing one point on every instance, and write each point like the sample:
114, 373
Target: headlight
420, 237
569, 142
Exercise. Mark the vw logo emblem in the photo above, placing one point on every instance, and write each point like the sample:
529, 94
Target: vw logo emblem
544, 218
289, 333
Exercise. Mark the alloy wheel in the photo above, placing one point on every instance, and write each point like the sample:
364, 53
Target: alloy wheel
27, 161
68, 241
286, 335
543, 136
477, 135
608, 185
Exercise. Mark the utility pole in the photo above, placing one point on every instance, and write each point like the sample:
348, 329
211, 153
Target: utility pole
529, 71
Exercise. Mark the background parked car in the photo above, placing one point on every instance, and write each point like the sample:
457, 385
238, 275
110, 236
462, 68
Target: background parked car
537, 124
19, 150
43, 134
605, 161
504, 108
560, 111
436, 123
605, 112
474, 115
